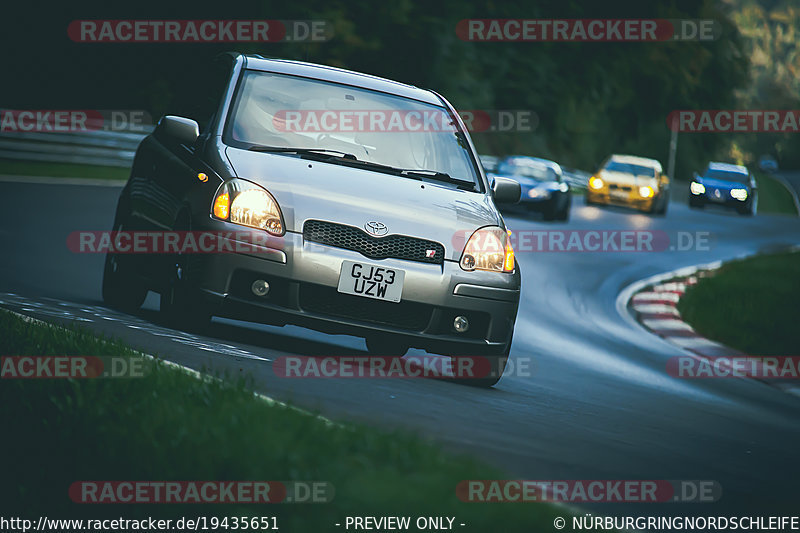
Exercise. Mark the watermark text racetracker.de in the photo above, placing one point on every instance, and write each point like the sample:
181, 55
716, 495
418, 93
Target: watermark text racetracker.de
463, 367
201, 492
588, 491
199, 31
593, 241
422, 120
739, 366
72, 367
74, 120
588, 30
735, 121
172, 242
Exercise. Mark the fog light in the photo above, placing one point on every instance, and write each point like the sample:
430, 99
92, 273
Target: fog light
468, 261
461, 324
260, 288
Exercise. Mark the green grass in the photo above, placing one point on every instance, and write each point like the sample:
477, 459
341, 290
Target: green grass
13, 167
752, 305
172, 426
773, 197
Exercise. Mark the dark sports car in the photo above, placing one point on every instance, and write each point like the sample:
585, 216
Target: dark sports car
543, 188
725, 185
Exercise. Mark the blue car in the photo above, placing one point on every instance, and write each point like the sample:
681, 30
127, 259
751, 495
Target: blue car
543, 187
724, 185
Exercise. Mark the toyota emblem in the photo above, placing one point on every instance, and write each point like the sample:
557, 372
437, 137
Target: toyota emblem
376, 228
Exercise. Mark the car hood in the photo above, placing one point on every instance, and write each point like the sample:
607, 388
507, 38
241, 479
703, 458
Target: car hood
722, 184
623, 178
307, 189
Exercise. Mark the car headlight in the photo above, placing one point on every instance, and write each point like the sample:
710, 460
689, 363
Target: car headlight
595, 182
739, 194
697, 188
245, 203
563, 187
538, 193
489, 249
646, 192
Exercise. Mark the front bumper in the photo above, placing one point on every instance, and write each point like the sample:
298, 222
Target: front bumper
304, 276
724, 199
538, 204
627, 196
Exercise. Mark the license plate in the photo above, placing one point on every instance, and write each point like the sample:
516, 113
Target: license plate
371, 281
619, 195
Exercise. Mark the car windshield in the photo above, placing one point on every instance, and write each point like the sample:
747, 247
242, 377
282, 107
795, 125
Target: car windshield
726, 175
281, 111
630, 168
528, 169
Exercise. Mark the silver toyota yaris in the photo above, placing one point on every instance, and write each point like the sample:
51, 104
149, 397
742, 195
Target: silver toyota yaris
373, 213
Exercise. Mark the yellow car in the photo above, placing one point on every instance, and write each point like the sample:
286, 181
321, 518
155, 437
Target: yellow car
630, 181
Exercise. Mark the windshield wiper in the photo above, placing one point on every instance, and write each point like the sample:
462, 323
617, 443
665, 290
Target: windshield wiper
344, 157
439, 176
303, 151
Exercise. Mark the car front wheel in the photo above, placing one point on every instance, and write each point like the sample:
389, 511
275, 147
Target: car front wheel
121, 289
482, 371
181, 305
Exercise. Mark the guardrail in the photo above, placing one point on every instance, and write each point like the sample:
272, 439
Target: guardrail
107, 148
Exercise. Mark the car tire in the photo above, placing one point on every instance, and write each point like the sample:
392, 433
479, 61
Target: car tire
386, 345
181, 306
497, 364
120, 289
657, 206
563, 215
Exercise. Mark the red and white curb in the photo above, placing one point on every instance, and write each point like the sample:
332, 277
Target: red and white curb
653, 304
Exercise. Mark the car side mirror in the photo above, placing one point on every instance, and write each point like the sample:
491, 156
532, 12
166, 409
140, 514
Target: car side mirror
180, 129
506, 191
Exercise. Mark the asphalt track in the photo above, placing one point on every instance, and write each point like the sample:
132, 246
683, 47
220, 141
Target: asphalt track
598, 403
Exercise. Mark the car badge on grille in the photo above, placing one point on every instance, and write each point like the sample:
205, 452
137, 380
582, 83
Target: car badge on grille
376, 228
430, 254
716, 193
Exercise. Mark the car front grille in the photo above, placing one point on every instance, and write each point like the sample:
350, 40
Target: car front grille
328, 301
614, 186
357, 240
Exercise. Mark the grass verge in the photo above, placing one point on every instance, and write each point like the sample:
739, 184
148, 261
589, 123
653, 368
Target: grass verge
13, 167
773, 197
750, 305
172, 426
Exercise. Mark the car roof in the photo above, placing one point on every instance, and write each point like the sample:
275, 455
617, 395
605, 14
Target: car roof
536, 160
727, 167
636, 160
340, 75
